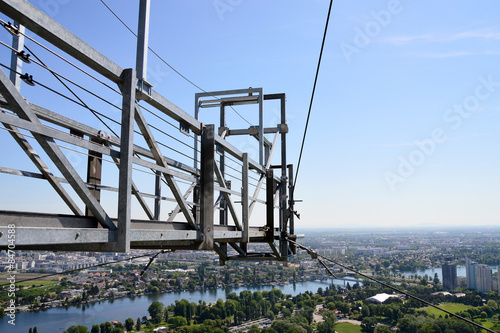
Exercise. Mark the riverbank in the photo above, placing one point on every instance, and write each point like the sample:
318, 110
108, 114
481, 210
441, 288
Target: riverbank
117, 295
60, 318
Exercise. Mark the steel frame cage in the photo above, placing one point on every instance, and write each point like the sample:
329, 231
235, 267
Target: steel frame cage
94, 230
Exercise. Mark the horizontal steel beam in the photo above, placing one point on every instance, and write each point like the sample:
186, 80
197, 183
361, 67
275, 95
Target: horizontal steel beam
255, 257
229, 92
252, 131
240, 100
58, 135
36, 230
28, 236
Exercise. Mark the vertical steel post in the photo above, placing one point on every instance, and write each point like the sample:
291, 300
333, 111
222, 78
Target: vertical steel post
16, 64
244, 201
284, 212
94, 174
223, 210
261, 127
207, 188
291, 204
196, 191
157, 195
222, 166
142, 40
195, 141
126, 154
270, 205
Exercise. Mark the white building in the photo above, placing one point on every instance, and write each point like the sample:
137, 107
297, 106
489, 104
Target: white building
483, 278
381, 298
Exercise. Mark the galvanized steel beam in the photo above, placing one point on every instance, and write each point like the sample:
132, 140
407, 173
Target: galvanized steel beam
207, 187
126, 153
244, 200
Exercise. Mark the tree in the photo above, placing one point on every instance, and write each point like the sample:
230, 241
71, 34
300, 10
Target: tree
254, 329
156, 312
286, 312
165, 315
382, 329
106, 327
342, 307
436, 279
270, 314
493, 304
368, 325
95, 329
269, 330
282, 326
328, 324
129, 324
77, 329
138, 324
177, 321
365, 311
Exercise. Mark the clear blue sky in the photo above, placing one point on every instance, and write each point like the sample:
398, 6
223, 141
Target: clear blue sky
405, 126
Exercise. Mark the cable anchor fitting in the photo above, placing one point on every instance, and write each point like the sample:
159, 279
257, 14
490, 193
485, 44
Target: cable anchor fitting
25, 57
14, 31
28, 79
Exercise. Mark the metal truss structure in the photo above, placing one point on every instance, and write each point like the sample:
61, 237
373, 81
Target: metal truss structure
200, 194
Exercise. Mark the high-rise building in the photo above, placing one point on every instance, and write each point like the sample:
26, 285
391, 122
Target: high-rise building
449, 276
483, 277
470, 271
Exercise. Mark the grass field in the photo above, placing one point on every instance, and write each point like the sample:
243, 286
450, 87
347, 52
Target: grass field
347, 328
36, 283
487, 324
452, 307
24, 276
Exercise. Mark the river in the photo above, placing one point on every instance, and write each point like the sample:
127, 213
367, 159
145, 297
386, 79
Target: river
59, 319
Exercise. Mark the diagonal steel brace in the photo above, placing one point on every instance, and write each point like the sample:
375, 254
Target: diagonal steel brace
22, 109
